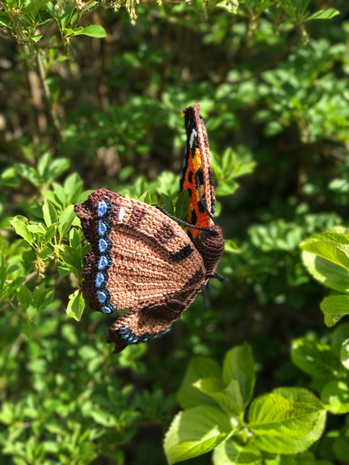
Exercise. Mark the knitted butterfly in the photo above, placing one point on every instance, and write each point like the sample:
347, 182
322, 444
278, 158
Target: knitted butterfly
142, 260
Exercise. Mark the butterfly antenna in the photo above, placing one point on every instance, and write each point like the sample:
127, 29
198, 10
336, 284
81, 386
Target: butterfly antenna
184, 223
218, 276
203, 203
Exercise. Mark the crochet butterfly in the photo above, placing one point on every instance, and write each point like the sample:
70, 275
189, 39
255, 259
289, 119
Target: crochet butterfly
142, 260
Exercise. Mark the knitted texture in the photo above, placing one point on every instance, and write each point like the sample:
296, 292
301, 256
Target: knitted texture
210, 245
141, 259
153, 268
196, 172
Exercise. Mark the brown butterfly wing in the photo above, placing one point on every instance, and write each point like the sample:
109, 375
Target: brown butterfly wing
154, 270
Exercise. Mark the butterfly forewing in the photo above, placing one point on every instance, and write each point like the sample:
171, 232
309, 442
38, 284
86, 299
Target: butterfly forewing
197, 171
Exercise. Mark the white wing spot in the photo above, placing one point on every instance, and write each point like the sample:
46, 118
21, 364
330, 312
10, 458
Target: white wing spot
121, 213
192, 137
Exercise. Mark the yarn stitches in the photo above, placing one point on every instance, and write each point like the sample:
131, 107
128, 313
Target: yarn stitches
196, 176
128, 337
104, 246
142, 260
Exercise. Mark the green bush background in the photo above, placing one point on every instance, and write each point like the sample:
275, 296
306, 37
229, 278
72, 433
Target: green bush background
107, 113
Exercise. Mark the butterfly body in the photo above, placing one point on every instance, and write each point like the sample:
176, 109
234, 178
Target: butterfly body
144, 261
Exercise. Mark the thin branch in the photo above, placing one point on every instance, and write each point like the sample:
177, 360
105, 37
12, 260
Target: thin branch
30, 277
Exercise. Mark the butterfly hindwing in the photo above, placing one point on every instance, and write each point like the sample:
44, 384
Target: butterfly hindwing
140, 260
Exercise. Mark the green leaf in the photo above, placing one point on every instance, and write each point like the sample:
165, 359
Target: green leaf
334, 308
306, 458
229, 6
230, 452
182, 205
50, 233
199, 367
36, 38
4, 19
37, 365
238, 365
49, 213
57, 197
126, 172
146, 198
3, 272
34, 6
45, 252
74, 238
228, 161
101, 417
339, 336
41, 296
27, 172
195, 432
64, 270
72, 257
43, 165
37, 229
335, 396
327, 273
344, 355
29, 329
316, 359
76, 305
341, 449
231, 247
72, 187
287, 421
229, 397
228, 188
329, 13
66, 219
7, 413
93, 30
331, 246
66, 14
21, 229
24, 297
166, 203
57, 167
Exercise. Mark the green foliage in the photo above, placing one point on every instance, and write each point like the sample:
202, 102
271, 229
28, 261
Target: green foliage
328, 367
26, 20
285, 421
326, 256
80, 113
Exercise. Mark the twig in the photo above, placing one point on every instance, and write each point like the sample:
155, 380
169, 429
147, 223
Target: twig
30, 277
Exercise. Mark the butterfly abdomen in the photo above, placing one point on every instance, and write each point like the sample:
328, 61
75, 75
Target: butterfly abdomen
210, 245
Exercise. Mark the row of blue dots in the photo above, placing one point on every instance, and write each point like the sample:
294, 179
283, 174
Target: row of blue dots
104, 261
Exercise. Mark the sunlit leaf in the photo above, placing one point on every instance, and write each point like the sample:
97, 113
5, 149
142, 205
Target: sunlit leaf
93, 30
76, 305
195, 432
